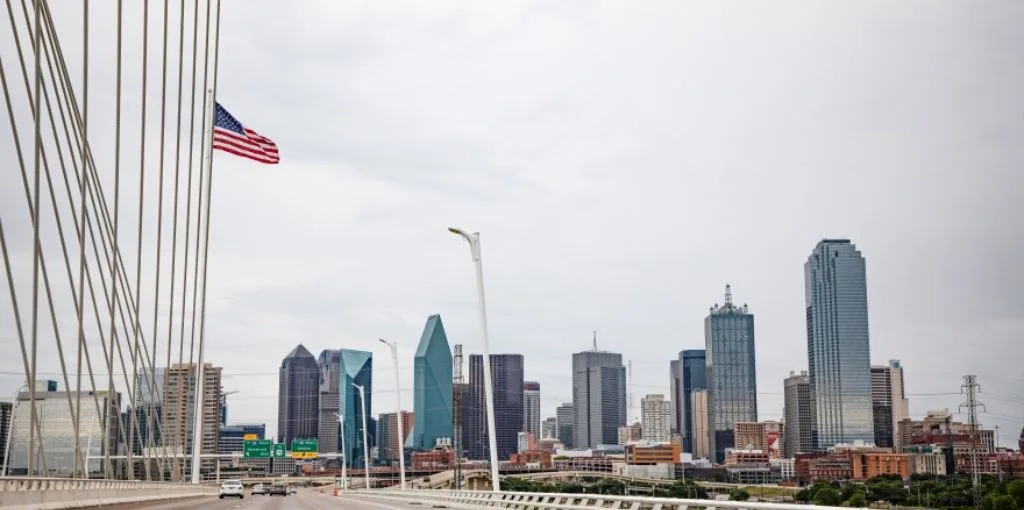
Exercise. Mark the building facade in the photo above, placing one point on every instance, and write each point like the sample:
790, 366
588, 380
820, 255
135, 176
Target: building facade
56, 426
179, 402
799, 415
328, 431
598, 398
838, 350
6, 413
298, 407
676, 406
693, 377
507, 379
387, 435
889, 404
731, 372
565, 422
655, 418
232, 437
150, 387
549, 428
432, 388
531, 408
699, 418
355, 368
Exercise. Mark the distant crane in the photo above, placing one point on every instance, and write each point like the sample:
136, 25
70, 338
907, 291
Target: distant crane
224, 406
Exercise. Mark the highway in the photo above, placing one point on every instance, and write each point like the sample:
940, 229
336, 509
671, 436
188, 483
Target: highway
305, 499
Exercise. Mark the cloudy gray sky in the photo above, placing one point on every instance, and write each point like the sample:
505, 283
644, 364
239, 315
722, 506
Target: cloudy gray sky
623, 162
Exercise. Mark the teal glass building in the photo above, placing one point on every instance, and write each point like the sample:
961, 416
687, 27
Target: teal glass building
432, 388
356, 367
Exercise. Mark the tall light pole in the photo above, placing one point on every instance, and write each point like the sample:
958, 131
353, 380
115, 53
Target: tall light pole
401, 433
344, 454
366, 443
474, 248
10, 429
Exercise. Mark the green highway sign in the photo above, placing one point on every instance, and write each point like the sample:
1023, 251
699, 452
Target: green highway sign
279, 451
259, 449
305, 445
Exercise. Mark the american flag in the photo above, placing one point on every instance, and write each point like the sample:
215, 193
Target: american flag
231, 136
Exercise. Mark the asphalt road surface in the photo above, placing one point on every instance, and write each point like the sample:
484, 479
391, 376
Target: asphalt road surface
305, 499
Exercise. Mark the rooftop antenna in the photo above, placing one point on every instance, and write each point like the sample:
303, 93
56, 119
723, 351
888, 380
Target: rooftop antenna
728, 295
595, 339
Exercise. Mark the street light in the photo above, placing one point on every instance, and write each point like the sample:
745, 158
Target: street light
366, 444
344, 455
401, 433
10, 429
474, 248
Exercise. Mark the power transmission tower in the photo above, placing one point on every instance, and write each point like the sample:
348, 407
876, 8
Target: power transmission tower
458, 381
970, 389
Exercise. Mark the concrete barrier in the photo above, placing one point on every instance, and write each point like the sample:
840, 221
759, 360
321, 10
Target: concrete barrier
17, 493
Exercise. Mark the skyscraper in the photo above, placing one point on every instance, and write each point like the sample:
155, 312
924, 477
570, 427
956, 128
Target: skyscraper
598, 398
548, 427
328, 431
889, 404
387, 435
531, 408
699, 420
693, 377
150, 388
6, 413
507, 372
432, 388
799, 425
179, 404
655, 419
355, 367
731, 372
676, 406
838, 353
565, 422
298, 394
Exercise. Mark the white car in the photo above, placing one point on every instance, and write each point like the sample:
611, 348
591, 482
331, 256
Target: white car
259, 489
232, 488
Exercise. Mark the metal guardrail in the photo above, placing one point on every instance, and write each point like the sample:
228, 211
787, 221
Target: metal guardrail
551, 501
18, 493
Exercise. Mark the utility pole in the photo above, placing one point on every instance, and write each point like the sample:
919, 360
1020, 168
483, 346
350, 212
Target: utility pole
970, 389
458, 381
999, 465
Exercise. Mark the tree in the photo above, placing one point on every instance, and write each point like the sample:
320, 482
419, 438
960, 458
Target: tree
738, 495
827, 496
857, 500
1015, 489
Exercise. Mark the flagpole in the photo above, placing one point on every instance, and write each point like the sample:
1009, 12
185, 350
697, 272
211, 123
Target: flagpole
207, 168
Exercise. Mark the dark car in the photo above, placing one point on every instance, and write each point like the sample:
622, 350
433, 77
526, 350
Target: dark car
278, 489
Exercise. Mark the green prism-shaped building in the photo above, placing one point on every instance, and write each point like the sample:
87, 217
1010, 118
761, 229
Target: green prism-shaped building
432, 388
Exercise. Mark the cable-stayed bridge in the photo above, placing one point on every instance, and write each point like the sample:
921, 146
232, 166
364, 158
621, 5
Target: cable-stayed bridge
105, 207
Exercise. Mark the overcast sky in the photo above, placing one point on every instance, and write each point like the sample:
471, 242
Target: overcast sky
623, 163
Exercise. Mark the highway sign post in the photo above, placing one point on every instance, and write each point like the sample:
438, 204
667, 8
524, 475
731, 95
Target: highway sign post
259, 449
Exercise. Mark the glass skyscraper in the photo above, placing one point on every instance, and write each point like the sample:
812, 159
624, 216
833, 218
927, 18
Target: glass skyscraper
731, 373
838, 355
598, 398
692, 377
432, 388
507, 377
298, 397
355, 367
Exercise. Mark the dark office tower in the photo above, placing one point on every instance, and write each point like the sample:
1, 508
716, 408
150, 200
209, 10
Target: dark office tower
565, 421
298, 396
838, 353
328, 431
6, 412
693, 377
675, 386
799, 432
598, 398
889, 404
507, 372
731, 372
